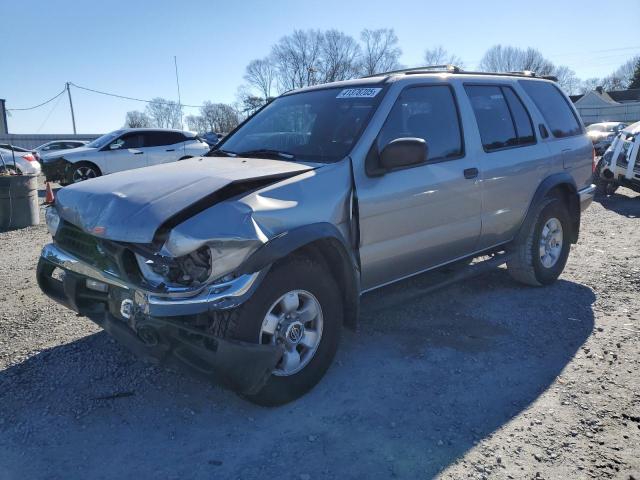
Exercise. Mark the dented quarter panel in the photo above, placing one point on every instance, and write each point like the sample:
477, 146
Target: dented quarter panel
126, 206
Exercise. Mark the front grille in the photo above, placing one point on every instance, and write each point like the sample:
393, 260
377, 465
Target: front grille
74, 240
84, 246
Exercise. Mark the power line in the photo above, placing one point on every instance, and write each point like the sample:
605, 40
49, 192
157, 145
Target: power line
37, 106
49, 114
129, 98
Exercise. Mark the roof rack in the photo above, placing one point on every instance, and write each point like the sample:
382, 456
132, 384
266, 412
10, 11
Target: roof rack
423, 69
456, 69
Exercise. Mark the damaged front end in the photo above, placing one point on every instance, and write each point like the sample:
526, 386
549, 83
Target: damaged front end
157, 265
165, 266
182, 324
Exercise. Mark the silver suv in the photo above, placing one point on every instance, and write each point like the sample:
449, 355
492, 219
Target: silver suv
245, 264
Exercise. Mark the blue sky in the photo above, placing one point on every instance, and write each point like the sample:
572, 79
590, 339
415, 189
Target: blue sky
127, 47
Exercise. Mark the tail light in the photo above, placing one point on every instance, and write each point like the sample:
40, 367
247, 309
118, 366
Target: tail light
29, 157
593, 160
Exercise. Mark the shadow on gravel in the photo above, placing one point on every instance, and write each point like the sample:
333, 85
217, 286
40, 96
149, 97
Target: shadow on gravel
425, 378
629, 206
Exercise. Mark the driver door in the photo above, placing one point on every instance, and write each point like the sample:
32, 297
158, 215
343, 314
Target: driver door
416, 218
125, 153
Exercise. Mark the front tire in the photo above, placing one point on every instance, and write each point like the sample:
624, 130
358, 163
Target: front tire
82, 171
540, 257
603, 186
299, 307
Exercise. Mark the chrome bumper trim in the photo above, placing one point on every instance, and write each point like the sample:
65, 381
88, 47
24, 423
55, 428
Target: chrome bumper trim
227, 293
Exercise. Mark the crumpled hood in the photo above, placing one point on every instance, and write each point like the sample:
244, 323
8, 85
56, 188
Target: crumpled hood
130, 206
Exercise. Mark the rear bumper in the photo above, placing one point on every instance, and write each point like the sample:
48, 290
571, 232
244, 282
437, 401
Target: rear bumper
586, 196
174, 331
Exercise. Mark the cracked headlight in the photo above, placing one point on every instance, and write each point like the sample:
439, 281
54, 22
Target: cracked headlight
53, 220
200, 267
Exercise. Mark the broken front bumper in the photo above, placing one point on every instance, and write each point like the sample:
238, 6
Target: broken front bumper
169, 329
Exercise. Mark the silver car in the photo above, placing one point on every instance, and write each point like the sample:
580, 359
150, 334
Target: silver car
245, 264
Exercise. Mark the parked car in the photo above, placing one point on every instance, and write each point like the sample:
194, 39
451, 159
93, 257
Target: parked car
602, 134
55, 145
120, 150
246, 263
620, 164
212, 138
25, 161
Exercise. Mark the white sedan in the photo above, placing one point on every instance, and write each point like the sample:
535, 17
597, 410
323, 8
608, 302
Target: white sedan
25, 162
120, 150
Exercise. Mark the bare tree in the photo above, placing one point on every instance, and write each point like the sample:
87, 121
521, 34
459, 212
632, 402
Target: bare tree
512, 59
137, 119
296, 58
164, 113
340, 55
567, 79
247, 103
440, 56
196, 123
590, 84
261, 75
217, 117
621, 78
380, 51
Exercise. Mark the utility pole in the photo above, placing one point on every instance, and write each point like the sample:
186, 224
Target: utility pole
175, 62
73, 117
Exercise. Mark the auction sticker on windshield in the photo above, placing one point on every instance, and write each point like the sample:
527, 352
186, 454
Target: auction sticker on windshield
358, 93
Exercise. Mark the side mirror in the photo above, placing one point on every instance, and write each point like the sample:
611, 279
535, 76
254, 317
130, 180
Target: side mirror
403, 152
114, 146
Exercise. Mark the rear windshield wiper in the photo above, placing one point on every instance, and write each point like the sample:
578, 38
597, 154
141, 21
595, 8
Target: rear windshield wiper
266, 152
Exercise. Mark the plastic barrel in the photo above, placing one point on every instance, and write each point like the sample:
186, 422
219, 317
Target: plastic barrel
18, 201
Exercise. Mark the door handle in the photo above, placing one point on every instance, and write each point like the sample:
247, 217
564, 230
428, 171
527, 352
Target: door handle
138, 153
470, 173
170, 150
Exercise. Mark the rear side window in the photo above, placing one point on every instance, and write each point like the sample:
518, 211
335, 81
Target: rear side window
502, 119
429, 113
157, 139
554, 108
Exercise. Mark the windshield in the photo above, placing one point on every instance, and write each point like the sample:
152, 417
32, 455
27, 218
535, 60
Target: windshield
317, 126
104, 139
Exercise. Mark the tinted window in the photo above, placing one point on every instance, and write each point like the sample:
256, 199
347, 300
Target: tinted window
521, 118
493, 117
156, 139
130, 140
554, 108
429, 113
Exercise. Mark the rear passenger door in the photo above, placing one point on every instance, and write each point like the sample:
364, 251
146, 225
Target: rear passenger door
419, 217
572, 150
512, 160
164, 146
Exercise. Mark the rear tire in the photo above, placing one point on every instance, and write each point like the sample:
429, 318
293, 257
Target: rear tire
311, 281
540, 257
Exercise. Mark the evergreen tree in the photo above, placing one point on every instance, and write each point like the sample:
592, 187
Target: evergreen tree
635, 79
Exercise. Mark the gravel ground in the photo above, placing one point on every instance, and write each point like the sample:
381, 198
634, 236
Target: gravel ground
484, 379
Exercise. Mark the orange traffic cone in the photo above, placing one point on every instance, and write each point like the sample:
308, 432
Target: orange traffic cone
49, 198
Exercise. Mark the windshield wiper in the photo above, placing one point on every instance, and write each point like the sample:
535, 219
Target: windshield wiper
266, 152
214, 152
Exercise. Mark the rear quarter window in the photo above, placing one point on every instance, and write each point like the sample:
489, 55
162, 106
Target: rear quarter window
554, 108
